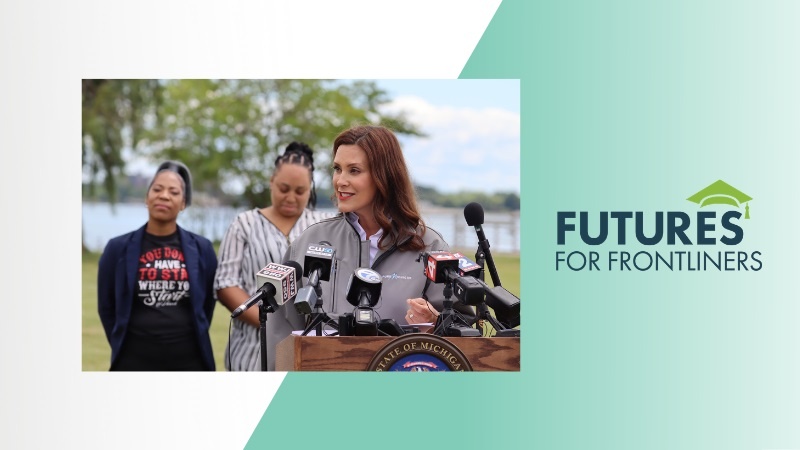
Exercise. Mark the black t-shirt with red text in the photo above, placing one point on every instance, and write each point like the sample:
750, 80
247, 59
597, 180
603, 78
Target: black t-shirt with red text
161, 331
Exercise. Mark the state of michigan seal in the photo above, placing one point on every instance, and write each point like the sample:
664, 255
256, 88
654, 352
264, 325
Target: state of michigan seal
419, 352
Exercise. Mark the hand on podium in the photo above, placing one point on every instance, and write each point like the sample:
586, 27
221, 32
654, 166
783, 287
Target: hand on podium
421, 313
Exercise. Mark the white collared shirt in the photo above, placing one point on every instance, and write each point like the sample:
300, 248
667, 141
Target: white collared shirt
373, 240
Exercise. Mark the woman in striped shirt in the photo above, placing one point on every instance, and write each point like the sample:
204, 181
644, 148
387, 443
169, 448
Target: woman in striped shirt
261, 236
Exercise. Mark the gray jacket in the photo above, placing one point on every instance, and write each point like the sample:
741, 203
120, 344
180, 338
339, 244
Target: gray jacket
403, 277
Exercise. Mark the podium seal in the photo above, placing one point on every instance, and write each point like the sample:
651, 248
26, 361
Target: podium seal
419, 352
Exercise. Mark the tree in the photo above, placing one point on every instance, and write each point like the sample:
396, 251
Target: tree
499, 201
115, 113
229, 132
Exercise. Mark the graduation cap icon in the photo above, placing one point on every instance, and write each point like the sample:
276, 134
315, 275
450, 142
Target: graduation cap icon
722, 193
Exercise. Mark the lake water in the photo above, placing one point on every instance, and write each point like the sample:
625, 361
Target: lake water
101, 223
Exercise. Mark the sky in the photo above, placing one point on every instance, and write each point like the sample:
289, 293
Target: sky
472, 128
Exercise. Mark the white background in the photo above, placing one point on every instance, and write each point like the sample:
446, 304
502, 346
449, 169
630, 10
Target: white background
46, 48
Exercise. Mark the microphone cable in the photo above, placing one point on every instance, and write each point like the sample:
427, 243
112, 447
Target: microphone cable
432, 310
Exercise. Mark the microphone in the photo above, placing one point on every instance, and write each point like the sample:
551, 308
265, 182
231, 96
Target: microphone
317, 267
364, 287
469, 290
363, 292
319, 258
298, 270
441, 266
305, 295
305, 300
278, 284
302, 291
467, 267
473, 213
504, 303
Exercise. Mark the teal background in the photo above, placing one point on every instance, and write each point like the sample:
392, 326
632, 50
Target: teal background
628, 106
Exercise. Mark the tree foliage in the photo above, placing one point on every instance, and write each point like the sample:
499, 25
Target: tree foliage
498, 201
114, 116
228, 132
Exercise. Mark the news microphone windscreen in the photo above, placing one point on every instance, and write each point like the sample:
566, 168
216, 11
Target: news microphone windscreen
466, 266
319, 256
473, 213
438, 264
298, 271
282, 278
364, 281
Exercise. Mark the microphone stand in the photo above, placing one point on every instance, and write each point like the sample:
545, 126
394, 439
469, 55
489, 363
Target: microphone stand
318, 317
483, 310
450, 322
480, 260
483, 246
266, 306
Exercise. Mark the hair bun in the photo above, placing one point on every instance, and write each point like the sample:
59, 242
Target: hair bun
301, 148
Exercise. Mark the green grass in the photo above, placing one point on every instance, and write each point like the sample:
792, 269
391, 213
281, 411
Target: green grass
96, 353
507, 269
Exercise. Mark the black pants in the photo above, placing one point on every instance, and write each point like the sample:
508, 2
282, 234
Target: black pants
145, 353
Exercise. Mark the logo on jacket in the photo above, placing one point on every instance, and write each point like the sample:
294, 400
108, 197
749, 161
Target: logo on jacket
395, 276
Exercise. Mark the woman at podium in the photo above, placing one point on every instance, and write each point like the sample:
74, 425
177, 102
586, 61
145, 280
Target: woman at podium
379, 226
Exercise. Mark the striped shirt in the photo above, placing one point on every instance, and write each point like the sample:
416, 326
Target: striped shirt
250, 243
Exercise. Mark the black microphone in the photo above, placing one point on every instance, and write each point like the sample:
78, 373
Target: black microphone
505, 306
364, 287
317, 267
318, 262
278, 285
441, 266
469, 290
504, 303
363, 292
473, 213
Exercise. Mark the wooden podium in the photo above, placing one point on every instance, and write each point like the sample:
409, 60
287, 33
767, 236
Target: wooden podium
353, 353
